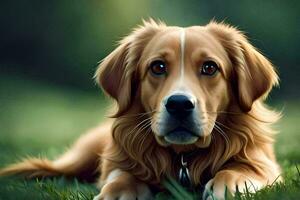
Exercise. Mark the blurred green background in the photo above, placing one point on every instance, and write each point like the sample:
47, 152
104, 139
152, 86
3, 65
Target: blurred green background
49, 51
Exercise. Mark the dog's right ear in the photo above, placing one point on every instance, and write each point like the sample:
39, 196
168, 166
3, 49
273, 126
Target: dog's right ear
116, 74
254, 74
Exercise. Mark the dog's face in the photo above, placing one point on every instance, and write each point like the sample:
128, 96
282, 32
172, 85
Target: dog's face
184, 77
182, 73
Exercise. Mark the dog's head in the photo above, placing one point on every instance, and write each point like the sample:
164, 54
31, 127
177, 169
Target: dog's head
185, 77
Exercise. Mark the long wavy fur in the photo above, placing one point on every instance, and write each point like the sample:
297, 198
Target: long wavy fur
242, 127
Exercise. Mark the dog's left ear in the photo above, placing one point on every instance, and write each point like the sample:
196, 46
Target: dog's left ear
253, 73
116, 74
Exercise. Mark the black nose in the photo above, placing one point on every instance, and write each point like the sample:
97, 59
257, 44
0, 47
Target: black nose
179, 106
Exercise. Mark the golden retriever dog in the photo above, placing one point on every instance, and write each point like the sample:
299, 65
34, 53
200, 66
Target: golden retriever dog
189, 106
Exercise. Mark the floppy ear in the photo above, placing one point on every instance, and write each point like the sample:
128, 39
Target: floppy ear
253, 74
116, 74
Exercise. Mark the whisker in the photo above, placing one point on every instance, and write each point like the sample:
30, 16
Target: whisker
236, 113
145, 126
224, 112
204, 128
212, 135
140, 124
219, 130
221, 124
146, 133
139, 114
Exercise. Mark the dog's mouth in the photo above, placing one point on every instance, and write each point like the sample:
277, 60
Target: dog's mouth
181, 135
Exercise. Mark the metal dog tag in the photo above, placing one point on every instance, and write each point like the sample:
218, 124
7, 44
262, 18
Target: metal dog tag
184, 175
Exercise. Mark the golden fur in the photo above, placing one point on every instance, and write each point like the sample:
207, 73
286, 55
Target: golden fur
242, 152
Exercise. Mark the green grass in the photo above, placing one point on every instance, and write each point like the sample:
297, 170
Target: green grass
39, 119
52, 189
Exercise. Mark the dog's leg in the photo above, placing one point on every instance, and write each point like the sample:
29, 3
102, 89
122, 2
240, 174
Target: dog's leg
229, 180
80, 160
121, 185
244, 177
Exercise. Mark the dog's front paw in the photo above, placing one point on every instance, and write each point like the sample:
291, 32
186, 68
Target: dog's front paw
124, 191
228, 181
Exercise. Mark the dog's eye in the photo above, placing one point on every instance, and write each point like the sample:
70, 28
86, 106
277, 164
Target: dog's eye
158, 68
209, 68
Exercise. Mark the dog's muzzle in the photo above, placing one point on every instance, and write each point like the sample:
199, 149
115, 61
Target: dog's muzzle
180, 108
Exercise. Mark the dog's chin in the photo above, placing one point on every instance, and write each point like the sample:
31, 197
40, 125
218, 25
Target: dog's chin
181, 136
